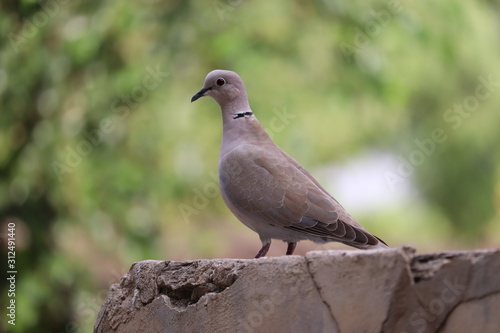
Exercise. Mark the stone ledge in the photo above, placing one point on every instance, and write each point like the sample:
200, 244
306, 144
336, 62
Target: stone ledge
329, 291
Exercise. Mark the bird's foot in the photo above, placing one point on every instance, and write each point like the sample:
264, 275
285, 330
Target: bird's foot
290, 248
262, 252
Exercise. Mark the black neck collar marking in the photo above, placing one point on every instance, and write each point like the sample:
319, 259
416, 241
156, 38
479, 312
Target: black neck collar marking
242, 114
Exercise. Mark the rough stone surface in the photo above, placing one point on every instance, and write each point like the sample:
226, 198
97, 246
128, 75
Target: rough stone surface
331, 291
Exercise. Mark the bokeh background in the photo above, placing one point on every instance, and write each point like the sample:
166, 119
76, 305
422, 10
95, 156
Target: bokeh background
392, 105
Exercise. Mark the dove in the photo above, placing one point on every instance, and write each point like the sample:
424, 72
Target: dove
265, 188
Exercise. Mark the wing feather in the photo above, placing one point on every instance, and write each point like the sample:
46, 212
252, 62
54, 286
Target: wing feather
270, 184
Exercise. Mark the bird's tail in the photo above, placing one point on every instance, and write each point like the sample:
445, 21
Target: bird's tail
380, 245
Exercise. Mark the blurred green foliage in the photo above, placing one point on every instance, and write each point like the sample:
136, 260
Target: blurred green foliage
104, 161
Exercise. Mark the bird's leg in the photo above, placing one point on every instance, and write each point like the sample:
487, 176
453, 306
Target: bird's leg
290, 248
265, 247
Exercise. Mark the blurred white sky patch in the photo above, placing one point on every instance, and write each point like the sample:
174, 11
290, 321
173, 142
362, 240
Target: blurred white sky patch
360, 184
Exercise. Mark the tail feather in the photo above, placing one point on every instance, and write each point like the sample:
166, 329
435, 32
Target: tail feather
380, 245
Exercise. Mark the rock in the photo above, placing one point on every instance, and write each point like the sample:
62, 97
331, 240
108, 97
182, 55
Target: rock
331, 291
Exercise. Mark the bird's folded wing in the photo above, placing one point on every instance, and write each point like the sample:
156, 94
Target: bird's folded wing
264, 183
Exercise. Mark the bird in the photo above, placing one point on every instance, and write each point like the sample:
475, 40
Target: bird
265, 188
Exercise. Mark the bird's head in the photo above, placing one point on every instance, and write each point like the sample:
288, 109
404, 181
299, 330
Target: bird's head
225, 87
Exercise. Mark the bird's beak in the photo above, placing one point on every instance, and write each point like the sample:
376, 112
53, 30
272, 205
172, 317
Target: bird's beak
199, 94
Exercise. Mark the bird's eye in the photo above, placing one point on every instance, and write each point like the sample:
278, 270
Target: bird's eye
220, 82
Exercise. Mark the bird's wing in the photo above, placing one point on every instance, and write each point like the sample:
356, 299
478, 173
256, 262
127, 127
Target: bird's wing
265, 182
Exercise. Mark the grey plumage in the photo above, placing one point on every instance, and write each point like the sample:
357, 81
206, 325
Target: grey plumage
265, 188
